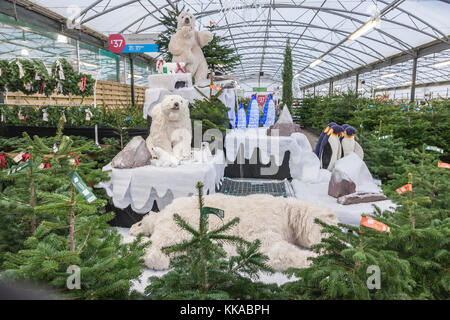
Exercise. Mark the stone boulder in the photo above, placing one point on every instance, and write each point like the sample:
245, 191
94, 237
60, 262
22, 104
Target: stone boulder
340, 184
135, 154
285, 125
361, 197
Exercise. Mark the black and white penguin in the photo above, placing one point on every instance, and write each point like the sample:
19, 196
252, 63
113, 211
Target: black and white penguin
349, 143
331, 147
322, 135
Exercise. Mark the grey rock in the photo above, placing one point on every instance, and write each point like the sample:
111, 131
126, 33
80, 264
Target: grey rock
340, 184
284, 129
135, 154
361, 197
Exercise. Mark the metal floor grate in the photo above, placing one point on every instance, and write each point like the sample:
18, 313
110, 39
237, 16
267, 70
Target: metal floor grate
245, 187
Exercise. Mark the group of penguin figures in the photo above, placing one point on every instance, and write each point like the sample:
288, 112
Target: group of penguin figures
336, 142
253, 118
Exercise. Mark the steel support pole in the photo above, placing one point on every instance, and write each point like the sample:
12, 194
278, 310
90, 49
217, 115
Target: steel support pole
78, 55
357, 84
132, 79
413, 80
330, 89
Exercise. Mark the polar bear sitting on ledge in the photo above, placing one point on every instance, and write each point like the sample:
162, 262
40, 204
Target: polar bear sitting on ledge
186, 46
171, 128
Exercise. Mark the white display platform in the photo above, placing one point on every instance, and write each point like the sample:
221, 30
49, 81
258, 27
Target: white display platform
303, 163
161, 85
140, 187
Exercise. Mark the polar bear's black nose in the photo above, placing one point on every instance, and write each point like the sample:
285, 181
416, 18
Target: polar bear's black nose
187, 20
176, 106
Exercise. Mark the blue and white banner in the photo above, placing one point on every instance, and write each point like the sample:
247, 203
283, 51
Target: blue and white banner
138, 48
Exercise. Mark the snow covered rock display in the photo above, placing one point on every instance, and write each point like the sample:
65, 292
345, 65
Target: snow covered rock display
361, 197
135, 154
285, 227
285, 125
355, 168
340, 184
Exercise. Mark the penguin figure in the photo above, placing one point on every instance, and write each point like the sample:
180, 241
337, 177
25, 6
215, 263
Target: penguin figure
322, 135
241, 122
253, 118
330, 150
268, 118
349, 143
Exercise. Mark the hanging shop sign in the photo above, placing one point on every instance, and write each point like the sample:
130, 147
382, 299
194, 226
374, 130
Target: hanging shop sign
133, 43
261, 100
259, 89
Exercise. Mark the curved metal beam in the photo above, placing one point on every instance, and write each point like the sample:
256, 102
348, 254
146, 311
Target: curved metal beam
299, 24
336, 11
309, 49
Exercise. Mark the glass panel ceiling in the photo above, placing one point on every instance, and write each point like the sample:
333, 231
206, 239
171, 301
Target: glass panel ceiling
258, 29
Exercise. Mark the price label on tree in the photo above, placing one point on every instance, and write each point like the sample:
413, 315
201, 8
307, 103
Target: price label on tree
82, 188
20, 167
208, 210
434, 148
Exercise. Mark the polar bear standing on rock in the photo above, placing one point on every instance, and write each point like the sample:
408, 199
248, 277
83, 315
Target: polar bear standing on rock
171, 128
186, 46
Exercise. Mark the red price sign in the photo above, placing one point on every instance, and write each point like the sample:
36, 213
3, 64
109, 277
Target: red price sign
261, 100
116, 43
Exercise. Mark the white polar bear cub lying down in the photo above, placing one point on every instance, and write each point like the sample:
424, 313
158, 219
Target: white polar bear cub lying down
171, 128
285, 227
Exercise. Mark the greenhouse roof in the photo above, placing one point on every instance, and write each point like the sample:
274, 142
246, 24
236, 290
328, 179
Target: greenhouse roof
323, 33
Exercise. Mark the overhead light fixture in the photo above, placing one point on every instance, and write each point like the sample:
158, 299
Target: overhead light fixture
360, 89
388, 75
324, 89
380, 86
61, 38
136, 76
408, 82
315, 63
442, 64
296, 75
25, 52
369, 25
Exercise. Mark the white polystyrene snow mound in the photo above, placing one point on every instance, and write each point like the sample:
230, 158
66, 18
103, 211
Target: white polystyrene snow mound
303, 163
285, 227
357, 170
317, 192
140, 187
285, 116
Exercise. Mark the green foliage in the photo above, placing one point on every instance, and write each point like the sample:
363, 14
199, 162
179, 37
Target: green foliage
219, 56
36, 78
4, 75
213, 114
70, 231
75, 116
287, 76
201, 270
340, 271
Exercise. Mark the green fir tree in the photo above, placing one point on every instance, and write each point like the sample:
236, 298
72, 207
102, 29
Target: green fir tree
201, 270
287, 77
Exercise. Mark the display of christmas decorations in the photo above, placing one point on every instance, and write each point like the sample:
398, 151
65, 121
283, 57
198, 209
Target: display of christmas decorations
30, 76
